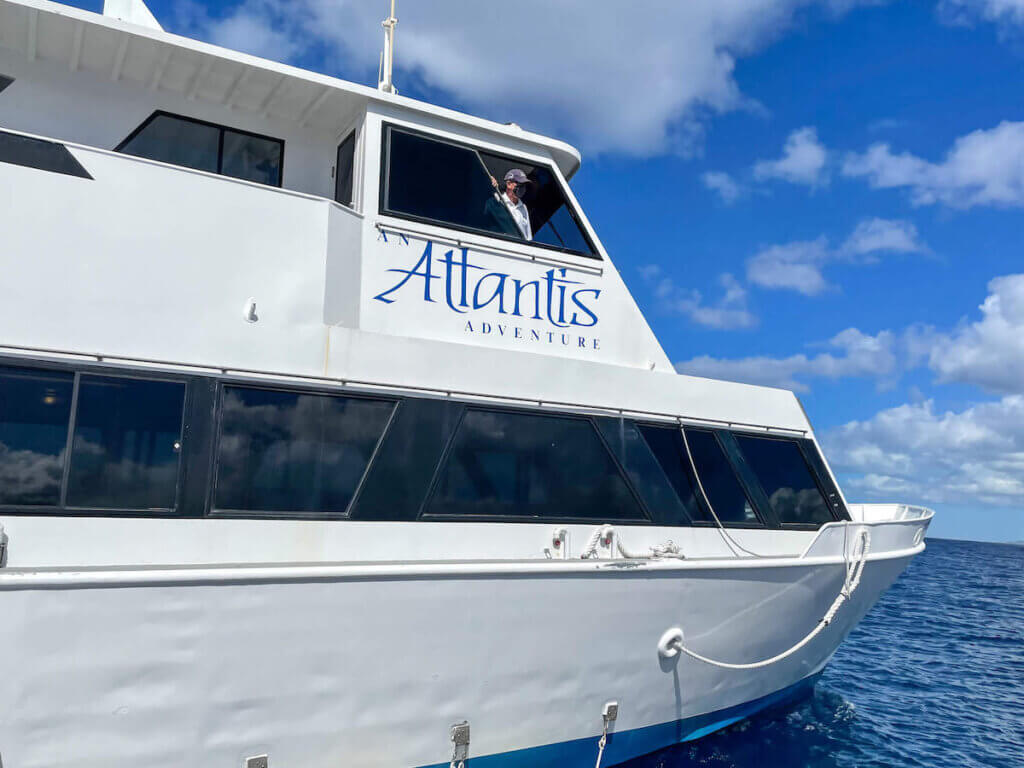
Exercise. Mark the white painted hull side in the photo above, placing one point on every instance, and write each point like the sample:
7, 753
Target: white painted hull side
370, 664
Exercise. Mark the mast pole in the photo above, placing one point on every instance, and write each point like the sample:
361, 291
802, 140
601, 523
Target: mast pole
387, 65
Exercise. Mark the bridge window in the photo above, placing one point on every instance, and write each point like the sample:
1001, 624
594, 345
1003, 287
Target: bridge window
456, 185
286, 452
35, 407
723, 489
127, 444
530, 466
787, 480
207, 147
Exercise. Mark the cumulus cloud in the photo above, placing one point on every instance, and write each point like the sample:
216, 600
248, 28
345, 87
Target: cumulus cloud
798, 266
985, 167
724, 184
858, 355
641, 80
803, 160
973, 455
989, 352
729, 312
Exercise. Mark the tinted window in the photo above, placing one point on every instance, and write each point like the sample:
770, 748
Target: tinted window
531, 466
35, 407
126, 445
667, 445
291, 452
252, 158
4, 82
786, 479
205, 147
461, 186
723, 489
344, 170
176, 141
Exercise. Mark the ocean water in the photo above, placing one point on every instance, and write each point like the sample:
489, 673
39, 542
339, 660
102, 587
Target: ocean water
933, 676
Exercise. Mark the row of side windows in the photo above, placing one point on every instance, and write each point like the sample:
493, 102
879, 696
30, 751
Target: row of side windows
91, 442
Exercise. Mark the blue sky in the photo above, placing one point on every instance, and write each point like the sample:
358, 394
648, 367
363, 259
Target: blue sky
827, 196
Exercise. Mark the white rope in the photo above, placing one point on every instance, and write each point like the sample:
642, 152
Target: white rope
608, 533
854, 570
601, 745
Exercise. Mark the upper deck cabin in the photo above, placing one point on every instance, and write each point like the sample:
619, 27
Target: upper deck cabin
169, 201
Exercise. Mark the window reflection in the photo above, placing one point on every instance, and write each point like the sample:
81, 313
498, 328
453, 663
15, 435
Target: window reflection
786, 479
723, 489
289, 452
666, 444
35, 407
525, 465
127, 443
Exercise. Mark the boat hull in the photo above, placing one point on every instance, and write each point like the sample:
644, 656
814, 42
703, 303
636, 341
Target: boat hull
370, 665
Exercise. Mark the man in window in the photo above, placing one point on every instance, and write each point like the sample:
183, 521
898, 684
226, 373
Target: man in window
515, 188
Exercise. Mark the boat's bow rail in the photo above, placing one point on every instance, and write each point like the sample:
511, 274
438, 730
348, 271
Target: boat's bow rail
895, 528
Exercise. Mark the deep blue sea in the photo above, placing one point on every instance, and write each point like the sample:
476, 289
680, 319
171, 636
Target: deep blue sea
933, 676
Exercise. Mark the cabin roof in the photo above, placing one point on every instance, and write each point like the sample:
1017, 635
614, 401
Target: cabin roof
82, 40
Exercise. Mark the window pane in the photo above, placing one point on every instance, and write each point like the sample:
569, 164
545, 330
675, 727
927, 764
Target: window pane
34, 410
291, 452
180, 142
344, 170
720, 483
786, 479
127, 444
667, 445
442, 182
252, 158
453, 184
531, 466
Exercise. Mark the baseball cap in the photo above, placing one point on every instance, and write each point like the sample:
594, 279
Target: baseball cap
517, 176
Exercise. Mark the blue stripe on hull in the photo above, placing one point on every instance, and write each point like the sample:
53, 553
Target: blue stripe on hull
625, 745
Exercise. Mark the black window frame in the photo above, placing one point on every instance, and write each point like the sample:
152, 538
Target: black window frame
763, 521
352, 136
62, 509
837, 511
201, 432
423, 516
212, 511
385, 173
220, 145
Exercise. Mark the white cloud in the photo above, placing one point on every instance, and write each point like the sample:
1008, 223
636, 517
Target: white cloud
975, 455
1006, 12
803, 160
862, 356
640, 79
873, 236
798, 266
985, 167
724, 184
988, 353
792, 266
729, 312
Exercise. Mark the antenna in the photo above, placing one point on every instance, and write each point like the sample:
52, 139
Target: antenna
388, 56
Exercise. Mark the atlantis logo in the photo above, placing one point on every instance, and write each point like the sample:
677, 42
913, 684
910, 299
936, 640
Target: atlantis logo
464, 287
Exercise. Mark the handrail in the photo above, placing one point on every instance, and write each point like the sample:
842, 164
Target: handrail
442, 391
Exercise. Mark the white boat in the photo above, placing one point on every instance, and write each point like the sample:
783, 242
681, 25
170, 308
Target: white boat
313, 453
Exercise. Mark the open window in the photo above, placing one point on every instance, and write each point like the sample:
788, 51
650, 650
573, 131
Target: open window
462, 187
207, 147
